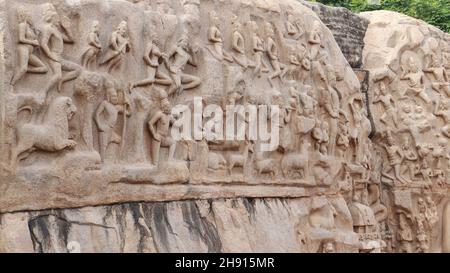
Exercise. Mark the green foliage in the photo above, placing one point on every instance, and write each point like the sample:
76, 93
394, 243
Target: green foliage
435, 12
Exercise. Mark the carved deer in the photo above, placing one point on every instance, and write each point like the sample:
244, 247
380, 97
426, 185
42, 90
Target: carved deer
240, 160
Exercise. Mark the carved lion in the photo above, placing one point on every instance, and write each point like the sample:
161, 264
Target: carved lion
52, 135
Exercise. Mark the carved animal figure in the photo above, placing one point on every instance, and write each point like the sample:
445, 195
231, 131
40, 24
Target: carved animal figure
265, 166
216, 162
296, 162
52, 135
240, 160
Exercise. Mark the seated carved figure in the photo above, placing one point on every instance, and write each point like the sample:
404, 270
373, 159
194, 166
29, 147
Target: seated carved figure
52, 135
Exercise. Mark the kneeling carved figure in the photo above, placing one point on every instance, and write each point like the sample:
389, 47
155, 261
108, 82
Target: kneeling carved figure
52, 135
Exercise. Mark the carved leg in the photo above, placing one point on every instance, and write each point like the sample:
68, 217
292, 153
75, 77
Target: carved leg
22, 66
190, 81
55, 67
162, 78
37, 66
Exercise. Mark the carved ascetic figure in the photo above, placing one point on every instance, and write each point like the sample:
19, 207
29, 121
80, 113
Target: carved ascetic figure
279, 69
107, 116
90, 56
119, 45
26, 60
362, 125
440, 81
216, 39
294, 28
52, 135
159, 126
395, 159
389, 104
415, 78
258, 51
442, 109
52, 44
238, 44
152, 58
177, 58
136, 126
411, 158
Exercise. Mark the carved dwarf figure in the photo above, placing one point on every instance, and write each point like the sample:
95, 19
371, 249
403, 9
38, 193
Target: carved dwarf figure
180, 55
119, 45
89, 57
26, 60
152, 59
52, 44
159, 126
216, 39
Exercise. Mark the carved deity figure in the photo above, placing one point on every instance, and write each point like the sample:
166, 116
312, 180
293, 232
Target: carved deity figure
107, 116
119, 45
159, 126
440, 79
152, 58
258, 51
395, 159
442, 109
415, 78
26, 60
177, 59
52, 44
89, 57
216, 39
411, 158
279, 69
389, 104
294, 28
238, 43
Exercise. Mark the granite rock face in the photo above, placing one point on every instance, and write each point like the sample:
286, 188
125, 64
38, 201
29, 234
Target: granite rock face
348, 28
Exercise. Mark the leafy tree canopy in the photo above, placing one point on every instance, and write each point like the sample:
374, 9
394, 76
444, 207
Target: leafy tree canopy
435, 12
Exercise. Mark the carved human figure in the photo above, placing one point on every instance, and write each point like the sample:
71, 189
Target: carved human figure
279, 69
159, 125
294, 28
395, 159
152, 58
136, 126
362, 126
389, 104
52, 44
107, 116
180, 55
415, 78
431, 213
440, 79
89, 57
411, 158
343, 140
258, 51
423, 228
216, 39
119, 45
303, 58
404, 234
238, 43
442, 109
320, 134
26, 60
315, 39
284, 120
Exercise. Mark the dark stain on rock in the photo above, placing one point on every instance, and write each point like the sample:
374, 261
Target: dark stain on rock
162, 226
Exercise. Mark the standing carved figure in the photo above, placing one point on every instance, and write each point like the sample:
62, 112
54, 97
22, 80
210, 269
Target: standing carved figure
388, 103
119, 45
279, 69
27, 61
152, 58
89, 57
159, 126
258, 51
238, 44
180, 55
136, 127
106, 118
395, 159
52, 44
